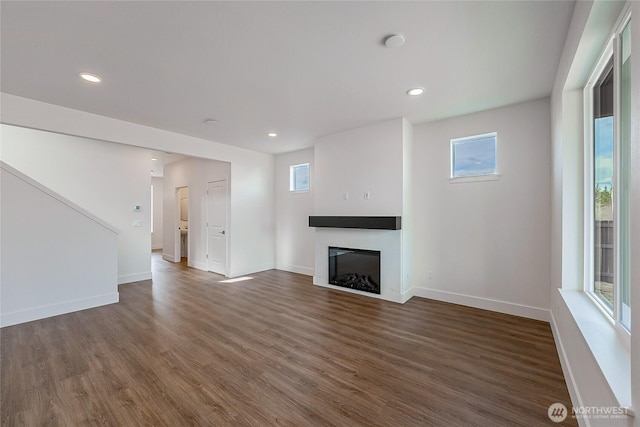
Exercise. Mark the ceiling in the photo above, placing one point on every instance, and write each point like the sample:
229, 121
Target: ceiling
301, 69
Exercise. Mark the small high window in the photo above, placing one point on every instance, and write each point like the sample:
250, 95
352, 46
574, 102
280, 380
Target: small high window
474, 156
299, 177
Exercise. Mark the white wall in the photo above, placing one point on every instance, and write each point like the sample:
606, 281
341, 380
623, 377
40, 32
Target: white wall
582, 362
105, 179
158, 195
252, 246
193, 173
367, 159
408, 212
56, 258
359, 160
485, 243
294, 238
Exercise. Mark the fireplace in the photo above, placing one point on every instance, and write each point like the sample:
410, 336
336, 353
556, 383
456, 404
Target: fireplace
355, 269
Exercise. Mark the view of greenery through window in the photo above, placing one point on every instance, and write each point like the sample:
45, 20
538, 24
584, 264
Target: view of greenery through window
610, 172
603, 164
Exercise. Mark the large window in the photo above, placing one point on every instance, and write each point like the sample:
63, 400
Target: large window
474, 156
608, 106
299, 177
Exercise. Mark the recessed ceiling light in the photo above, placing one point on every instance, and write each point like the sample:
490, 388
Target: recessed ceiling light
272, 134
394, 40
415, 91
211, 121
90, 77
153, 158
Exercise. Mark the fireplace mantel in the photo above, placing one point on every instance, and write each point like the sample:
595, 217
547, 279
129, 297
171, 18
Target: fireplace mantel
362, 222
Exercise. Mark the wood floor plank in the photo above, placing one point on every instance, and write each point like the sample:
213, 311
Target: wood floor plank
190, 349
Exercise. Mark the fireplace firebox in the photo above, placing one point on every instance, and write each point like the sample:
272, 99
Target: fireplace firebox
355, 269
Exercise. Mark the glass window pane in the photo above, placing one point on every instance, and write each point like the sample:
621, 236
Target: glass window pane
473, 156
603, 165
299, 178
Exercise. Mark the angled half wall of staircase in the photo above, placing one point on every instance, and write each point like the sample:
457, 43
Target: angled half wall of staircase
55, 257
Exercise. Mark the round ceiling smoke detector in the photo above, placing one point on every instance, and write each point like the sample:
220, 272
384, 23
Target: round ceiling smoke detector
394, 40
211, 121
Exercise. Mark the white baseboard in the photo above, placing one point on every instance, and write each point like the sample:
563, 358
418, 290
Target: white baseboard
484, 303
250, 270
8, 319
296, 269
572, 387
156, 247
128, 278
197, 264
169, 257
406, 296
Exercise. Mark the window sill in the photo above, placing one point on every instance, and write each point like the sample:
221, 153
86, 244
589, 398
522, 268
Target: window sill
478, 178
608, 349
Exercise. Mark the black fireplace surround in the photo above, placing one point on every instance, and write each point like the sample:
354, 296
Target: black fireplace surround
355, 269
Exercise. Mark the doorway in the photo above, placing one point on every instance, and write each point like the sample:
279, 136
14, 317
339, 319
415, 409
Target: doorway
217, 220
181, 248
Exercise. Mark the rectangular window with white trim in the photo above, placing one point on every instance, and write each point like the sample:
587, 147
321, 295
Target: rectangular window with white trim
474, 156
607, 174
299, 177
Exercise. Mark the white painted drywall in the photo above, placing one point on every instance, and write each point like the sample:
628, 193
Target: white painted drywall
295, 244
367, 159
105, 179
485, 243
252, 245
55, 258
359, 160
590, 28
158, 196
193, 173
408, 212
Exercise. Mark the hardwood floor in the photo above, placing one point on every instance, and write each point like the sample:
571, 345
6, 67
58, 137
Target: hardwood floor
188, 349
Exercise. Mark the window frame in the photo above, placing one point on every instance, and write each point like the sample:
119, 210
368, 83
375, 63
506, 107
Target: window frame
611, 51
589, 178
292, 184
478, 177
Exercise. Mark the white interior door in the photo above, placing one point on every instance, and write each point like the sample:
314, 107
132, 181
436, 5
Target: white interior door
217, 226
